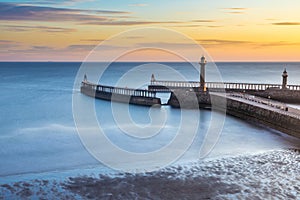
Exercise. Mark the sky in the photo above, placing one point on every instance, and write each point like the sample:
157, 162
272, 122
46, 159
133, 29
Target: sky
228, 30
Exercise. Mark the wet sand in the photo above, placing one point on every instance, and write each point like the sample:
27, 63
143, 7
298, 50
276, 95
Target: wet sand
273, 174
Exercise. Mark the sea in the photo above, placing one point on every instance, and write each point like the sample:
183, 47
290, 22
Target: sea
43, 155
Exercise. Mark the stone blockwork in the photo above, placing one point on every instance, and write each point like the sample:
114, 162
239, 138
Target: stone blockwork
283, 95
276, 119
188, 98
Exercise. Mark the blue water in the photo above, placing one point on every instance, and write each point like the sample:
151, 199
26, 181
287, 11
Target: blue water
38, 131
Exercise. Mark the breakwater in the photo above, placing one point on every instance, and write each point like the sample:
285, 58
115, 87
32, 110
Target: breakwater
288, 94
118, 94
273, 114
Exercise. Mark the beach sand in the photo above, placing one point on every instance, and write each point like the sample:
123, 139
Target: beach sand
268, 175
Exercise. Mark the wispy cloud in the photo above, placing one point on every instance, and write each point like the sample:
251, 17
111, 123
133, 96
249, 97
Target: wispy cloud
235, 10
60, 2
197, 23
49, 29
252, 44
41, 48
7, 44
210, 42
134, 37
196, 26
280, 43
127, 23
92, 40
171, 45
80, 47
139, 5
287, 23
89, 47
204, 21
19, 12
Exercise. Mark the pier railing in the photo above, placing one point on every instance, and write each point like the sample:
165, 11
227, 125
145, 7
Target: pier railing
119, 90
220, 85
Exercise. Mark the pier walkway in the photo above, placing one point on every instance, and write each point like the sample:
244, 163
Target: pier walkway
271, 113
119, 94
167, 86
264, 103
119, 90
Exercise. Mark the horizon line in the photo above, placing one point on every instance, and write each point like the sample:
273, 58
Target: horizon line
157, 61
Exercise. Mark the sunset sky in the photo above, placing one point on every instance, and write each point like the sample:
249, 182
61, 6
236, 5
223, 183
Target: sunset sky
229, 30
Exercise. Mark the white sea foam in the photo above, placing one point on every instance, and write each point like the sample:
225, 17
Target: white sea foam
49, 128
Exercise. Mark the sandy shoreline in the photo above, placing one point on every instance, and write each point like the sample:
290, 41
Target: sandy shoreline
262, 176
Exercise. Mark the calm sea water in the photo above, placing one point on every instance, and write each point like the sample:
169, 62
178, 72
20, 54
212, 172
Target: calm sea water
37, 130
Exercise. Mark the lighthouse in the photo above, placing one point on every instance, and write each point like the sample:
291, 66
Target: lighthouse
202, 73
284, 79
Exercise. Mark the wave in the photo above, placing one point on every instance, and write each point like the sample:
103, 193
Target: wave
49, 128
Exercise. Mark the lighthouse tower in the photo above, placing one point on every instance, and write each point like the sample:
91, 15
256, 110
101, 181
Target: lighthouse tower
284, 79
202, 73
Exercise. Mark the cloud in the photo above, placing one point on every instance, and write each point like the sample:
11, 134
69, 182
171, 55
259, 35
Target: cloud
196, 26
236, 12
79, 47
119, 23
92, 40
287, 23
280, 43
134, 37
252, 44
235, 8
213, 42
19, 12
49, 29
163, 45
203, 21
42, 48
8, 44
139, 5
128, 23
50, 2
197, 23
90, 47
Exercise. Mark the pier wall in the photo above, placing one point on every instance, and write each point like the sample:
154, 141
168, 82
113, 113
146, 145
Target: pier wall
182, 98
272, 118
287, 96
137, 100
290, 94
